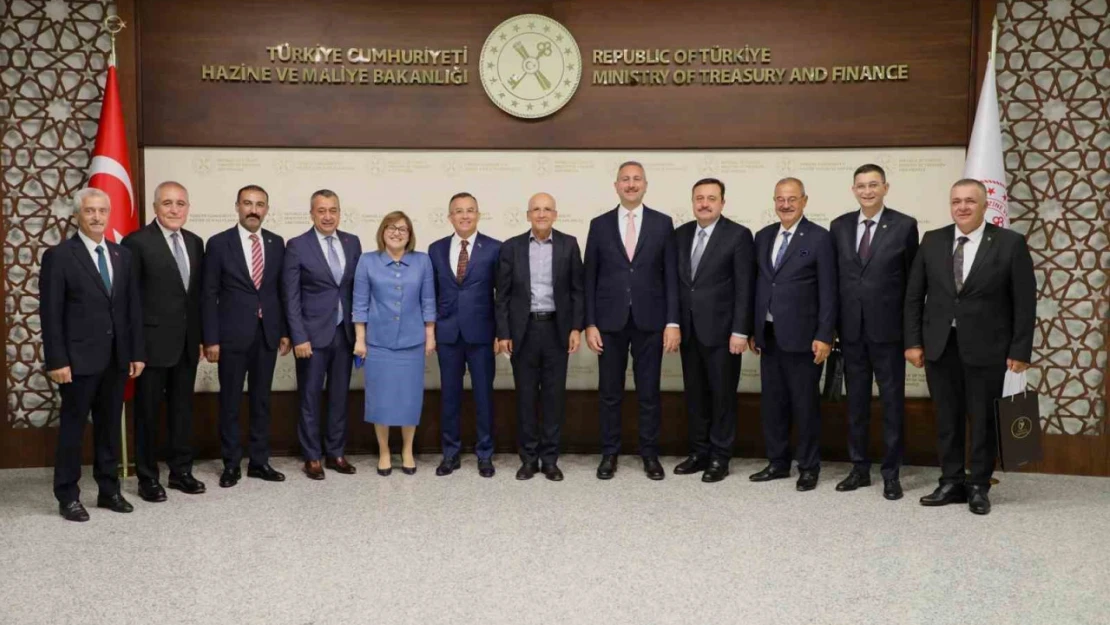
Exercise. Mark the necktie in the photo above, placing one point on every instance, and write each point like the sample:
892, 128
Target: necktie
958, 263
865, 242
464, 258
182, 261
699, 249
336, 272
782, 249
257, 265
102, 265
630, 236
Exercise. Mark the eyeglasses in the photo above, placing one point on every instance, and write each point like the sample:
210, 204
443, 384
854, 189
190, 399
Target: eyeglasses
397, 229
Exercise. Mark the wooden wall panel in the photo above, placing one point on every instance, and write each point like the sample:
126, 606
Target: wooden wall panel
929, 109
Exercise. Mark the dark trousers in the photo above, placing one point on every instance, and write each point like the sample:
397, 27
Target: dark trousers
454, 360
710, 376
960, 390
255, 365
329, 365
175, 385
885, 362
790, 393
102, 394
540, 377
647, 359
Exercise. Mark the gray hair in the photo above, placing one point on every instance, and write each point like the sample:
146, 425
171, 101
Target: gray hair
631, 164
165, 185
971, 182
791, 179
86, 193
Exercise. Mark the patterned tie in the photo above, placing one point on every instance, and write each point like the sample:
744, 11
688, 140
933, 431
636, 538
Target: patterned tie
630, 236
102, 265
699, 249
336, 272
257, 267
958, 263
464, 258
182, 261
782, 249
865, 242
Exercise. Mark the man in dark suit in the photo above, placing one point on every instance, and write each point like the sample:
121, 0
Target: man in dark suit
318, 276
971, 306
465, 266
795, 319
875, 247
716, 286
540, 310
631, 304
244, 329
168, 260
92, 340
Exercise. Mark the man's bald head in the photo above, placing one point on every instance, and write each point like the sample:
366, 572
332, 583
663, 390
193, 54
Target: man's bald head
542, 214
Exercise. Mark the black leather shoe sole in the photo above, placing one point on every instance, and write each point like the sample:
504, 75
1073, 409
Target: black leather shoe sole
194, 490
846, 486
767, 476
120, 506
152, 496
714, 476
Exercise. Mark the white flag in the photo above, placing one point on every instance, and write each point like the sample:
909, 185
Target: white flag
984, 153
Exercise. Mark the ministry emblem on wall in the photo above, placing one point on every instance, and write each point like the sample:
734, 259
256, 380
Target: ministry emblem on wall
530, 66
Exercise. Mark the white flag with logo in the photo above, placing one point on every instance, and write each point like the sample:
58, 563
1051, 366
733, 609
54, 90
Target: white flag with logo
984, 153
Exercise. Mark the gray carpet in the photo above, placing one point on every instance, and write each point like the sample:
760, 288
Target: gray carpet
462, 549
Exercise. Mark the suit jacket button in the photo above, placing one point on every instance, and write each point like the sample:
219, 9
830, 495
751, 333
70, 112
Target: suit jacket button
396, 318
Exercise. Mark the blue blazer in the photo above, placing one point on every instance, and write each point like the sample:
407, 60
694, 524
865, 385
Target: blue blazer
465, 311
646, 286
801, 293
229, 306
394, 301
310, 291
81, 320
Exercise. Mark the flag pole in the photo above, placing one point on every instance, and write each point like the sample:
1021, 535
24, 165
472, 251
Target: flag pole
990, 57
114, 24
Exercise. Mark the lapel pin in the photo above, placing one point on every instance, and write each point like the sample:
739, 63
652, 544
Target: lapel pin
884, 226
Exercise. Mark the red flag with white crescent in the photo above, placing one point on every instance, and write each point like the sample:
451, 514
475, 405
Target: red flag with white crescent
110, 170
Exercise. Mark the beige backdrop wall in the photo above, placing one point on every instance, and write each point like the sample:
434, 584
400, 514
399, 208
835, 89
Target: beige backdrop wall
373, 183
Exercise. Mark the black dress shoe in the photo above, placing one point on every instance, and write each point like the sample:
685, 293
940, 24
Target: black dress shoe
977, 500
552, 472
151, 491
265, 473
653, 469
385, 472
607, 468
855, 479
693, 464
115, 503
715, 472
408, 470
485, 467
187, 484
770, 472
230, 477
807, 481
946, 494
892, 489
527, 470
73, 511
448, 465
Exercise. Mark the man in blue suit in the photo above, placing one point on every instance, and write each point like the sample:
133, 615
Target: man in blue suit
92, 338
795, 320
875, 248
631, 305
465, 266
244, 328
318, 278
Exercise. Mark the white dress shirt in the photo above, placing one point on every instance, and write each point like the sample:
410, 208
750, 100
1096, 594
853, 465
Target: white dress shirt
974, 238
637, 217
793, 230
245, 238
456, 247
91, 246
323, 239
860, 228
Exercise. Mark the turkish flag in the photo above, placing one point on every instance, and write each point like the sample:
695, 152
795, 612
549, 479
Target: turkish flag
111, 168
984, 152
111, 172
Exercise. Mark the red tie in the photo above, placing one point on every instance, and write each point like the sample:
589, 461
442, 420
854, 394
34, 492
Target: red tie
257, 266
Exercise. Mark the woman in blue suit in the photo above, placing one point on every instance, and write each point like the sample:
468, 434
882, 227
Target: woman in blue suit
394, 311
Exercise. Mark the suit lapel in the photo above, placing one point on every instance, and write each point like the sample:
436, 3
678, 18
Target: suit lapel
318, 253
82, 253
349, 252
269, 268
616, 225
525, 260
476, 252
793, 244
640, 233
880, 235
195, 253
949, 266
711, 246
847, 236
986, 247
163, 247
118, 273
235, 248
685, 247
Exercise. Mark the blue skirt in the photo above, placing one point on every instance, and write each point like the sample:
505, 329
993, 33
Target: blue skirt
394, 385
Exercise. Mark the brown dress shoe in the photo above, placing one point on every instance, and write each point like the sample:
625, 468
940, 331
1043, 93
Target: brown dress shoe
313, 469
340, 465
